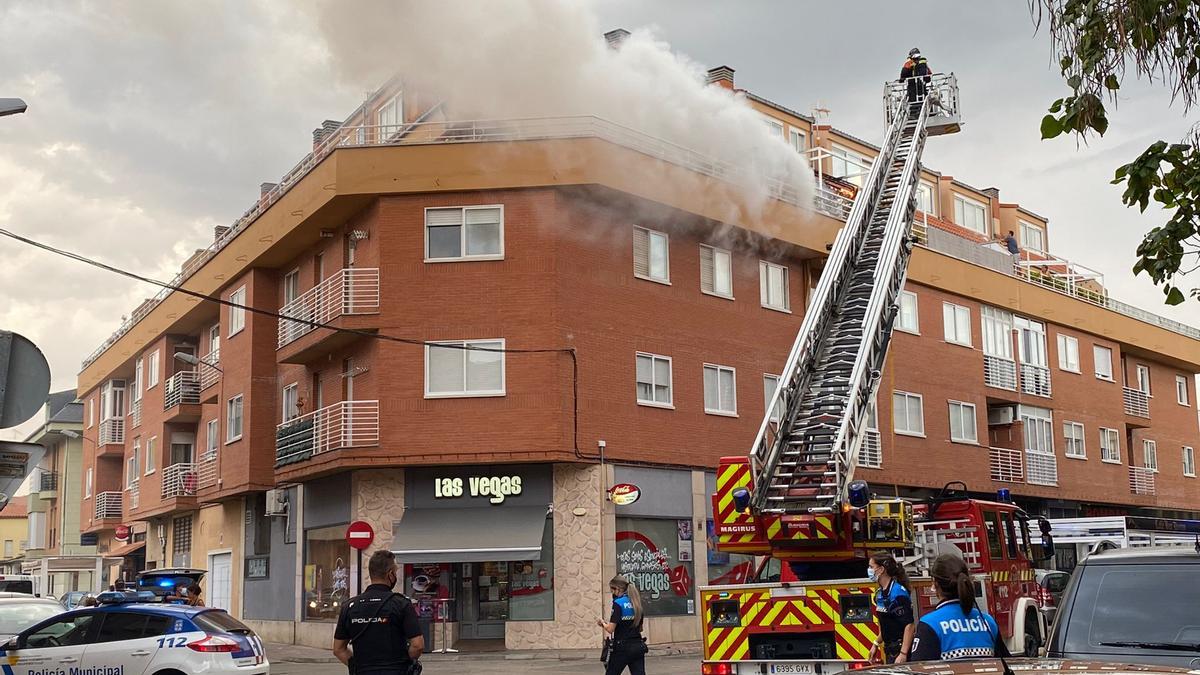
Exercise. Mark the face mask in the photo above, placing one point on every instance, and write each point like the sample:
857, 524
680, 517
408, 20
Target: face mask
871, 574
393, 581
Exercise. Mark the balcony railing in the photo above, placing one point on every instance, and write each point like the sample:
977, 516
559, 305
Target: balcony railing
135, 413
112, 431
182, 388
206, 472
180, 480
1007, 465
209, 375
108, 505
1137, 402
350, 291
870, 454
999, 372
349, 424
134, 494
1041, 468
1035, 380
1142, 481
48, 481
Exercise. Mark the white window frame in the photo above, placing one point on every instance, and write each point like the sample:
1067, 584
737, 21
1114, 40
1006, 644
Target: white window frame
714, 255
764, 286
241, 417
1025, 228
670, 403
719, 370
908, 396
1115, 457
1181, 391
294, 390
793, 134
1142, 386
1078, 433
212, 441
777, 413
133, 464
950, 327
961, 203
237, 315
462, 234
469, 393
390, 117
1150, 454
651, 237
138, 376
1096, 354
291, 286
774, 126
150, 463
1189, 461
87, 484
91, 412
933, 201
900, 325
961, 412
1067, 344
854, 165
153, 366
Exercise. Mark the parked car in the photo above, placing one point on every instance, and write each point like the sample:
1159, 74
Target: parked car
1051, 584
165, 581
19, 611
1133, 605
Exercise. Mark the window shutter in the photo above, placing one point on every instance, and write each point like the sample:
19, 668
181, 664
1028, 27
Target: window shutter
707, 271
641, 252
488, 216
436, 217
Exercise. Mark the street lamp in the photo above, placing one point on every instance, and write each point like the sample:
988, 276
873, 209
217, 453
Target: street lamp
11, 106
193, 360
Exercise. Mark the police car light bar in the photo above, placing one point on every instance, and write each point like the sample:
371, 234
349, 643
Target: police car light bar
124, 597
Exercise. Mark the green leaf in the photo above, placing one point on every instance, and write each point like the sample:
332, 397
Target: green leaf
1051, 127
1174, 296
1111, 83
1074, 81
1100, 124
1056, 106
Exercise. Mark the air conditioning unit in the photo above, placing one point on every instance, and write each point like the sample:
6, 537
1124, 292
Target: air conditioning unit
277, 502
1002, 415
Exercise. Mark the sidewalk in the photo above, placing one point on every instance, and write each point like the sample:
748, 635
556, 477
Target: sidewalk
281, 653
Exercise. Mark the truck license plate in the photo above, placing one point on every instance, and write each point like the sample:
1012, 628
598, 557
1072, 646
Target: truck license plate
800, 668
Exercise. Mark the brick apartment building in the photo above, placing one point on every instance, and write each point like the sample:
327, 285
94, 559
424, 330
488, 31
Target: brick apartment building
642, 305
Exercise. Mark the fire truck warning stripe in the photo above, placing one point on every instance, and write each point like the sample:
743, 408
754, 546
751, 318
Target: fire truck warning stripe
824, 527
855, 645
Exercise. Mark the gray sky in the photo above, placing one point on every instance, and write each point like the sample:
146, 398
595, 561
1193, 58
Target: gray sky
151, 123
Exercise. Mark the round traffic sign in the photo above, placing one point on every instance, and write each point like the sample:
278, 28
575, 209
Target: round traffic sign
122, 533
360, 535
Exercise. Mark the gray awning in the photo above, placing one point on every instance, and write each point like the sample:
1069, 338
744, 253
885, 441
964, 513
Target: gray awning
469, 535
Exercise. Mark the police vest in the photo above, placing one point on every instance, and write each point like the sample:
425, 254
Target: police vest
962, 636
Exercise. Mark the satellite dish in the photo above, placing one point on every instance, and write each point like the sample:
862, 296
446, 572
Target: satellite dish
24, 379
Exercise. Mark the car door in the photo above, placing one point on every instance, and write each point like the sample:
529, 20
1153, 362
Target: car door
56, 645
126, 642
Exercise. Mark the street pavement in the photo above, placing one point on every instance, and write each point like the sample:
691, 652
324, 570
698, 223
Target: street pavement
655, 665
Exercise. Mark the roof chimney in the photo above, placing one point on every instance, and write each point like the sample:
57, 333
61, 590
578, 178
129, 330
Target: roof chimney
721, 76
992, 192
220, 231
320, 133
616, 37
264, 188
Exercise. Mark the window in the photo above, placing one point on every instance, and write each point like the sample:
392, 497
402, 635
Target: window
91, 412
1103, 357
997, 332
131, 465
1068, 353
150, 451
1181, 390
848, 164
1110, 446
87, 485
122, 626
716, 271
970, 214
181, 541
654, 380
70, 631
652, 550
291, 286
390, 117
962, 423
956, 322
152, 369
906, 318
770, 384
1033, 237
290, 400
720, 390
1073, 435
651, 255
211, 440
1189, 462
773, 127
925, 198
214, 339
991, 521
1142, 374
1010, 536
237, 311
908, 417
327, 555
1038, 431
798, 140
1150, 455
138, 379
773, 286
233, 419
464, 233
464, 368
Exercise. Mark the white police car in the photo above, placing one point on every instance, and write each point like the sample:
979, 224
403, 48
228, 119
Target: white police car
123, 636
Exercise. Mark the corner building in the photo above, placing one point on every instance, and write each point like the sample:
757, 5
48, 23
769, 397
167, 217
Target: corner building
617, 301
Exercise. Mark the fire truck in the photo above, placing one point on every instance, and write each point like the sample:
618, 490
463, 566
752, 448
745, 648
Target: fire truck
793, 503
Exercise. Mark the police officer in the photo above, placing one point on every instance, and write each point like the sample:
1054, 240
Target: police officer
915, 72
956, 629
893, 607
625, 626
377, 632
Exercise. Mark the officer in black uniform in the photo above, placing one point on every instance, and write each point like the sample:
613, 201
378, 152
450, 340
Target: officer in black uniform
377, 632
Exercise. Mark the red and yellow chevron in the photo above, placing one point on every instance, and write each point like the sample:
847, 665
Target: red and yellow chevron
801, 528
736, 531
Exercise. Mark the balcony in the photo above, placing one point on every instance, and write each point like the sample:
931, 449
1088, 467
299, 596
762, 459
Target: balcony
999, 372
209, 375
1137, 402
47, 485
1035, 380
207, 475
181, 397
1007, 465
108, 506
134, 494
135, 414
870, 454
180, 480
1142, 481
1041, 468
349, 424
352, 292
111, 439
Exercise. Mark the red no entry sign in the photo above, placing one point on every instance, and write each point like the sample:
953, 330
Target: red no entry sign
360, 535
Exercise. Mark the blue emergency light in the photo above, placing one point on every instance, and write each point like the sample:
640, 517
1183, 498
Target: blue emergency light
1003, 495
741, 499
859, 494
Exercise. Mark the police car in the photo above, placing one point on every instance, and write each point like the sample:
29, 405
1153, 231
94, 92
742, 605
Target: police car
126, 636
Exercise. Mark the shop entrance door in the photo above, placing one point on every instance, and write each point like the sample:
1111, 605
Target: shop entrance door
483, 603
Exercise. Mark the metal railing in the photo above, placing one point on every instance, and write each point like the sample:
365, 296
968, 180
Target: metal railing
206, 472
350, 291
1035, 379
180, 480
349, 424
108, 505
209, 375
134, 493
1007, 465
1041, 468
999, 372
1137, 402
112, 431
48, 481
870, 455
135, 413
182, 388
1142, 481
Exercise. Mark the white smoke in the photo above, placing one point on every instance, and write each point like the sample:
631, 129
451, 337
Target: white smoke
500, 59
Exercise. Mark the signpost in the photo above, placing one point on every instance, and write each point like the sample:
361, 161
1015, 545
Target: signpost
360, 535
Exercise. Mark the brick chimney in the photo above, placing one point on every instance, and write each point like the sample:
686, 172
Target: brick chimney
220, 231
616, 37
721, 76
320, 133
263, 190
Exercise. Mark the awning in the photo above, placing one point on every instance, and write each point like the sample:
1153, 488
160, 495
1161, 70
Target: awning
470, 535
122, 551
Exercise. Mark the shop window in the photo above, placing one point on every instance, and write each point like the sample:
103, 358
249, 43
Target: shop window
326, 572
531, 584
726, 568
656, 555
